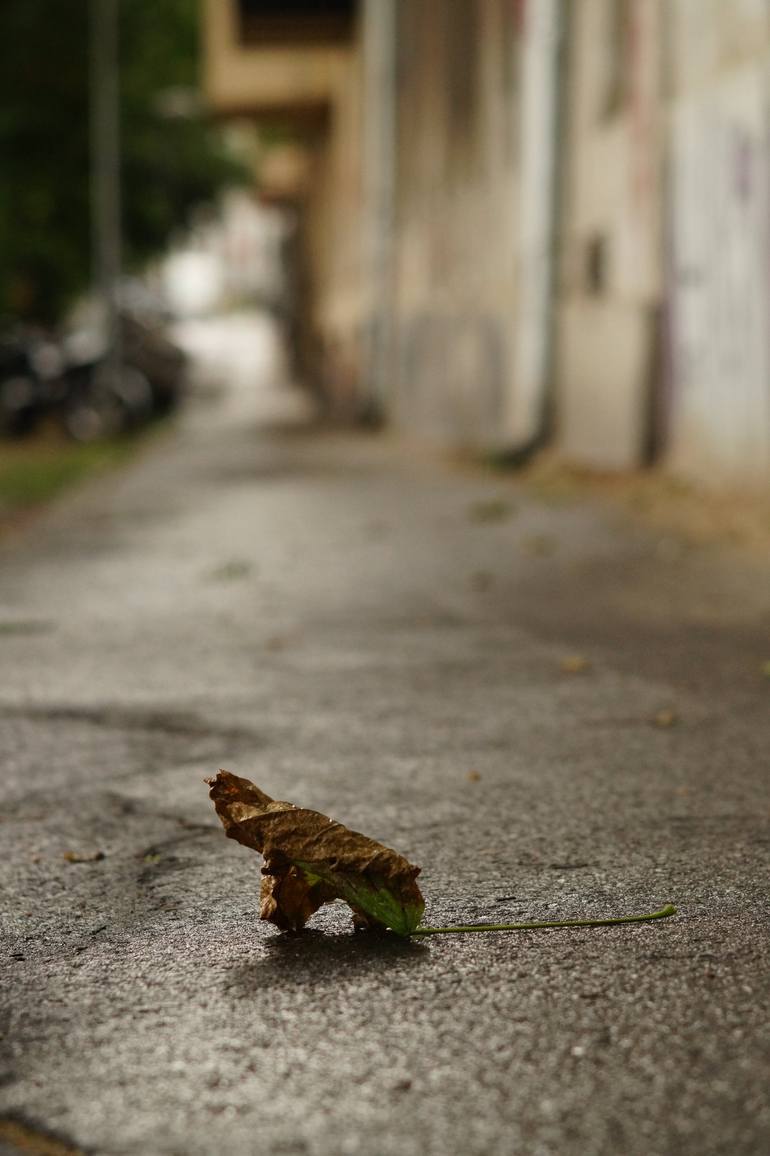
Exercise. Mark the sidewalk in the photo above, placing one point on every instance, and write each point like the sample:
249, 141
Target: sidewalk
394, 643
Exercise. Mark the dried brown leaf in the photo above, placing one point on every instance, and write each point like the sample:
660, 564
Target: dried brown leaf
310, 860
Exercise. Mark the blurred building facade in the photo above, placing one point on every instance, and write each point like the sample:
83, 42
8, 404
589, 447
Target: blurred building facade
525, 222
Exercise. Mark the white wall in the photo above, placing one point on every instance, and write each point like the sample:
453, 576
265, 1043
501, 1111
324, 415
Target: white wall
611, 273
718, 293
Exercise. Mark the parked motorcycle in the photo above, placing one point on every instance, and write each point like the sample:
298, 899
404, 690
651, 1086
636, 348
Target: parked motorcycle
30, 363
70, 380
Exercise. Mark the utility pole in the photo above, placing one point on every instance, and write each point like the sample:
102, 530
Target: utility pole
105, 173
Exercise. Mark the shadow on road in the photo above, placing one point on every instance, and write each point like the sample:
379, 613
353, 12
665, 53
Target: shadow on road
319, 959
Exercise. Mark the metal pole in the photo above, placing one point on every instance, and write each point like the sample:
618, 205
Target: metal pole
379, 29
105, 173
540, 105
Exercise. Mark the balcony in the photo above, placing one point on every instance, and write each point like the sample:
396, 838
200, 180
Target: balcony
276, 57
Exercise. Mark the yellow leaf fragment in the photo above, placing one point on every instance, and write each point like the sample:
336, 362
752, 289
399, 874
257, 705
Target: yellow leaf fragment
83, 856
574, 664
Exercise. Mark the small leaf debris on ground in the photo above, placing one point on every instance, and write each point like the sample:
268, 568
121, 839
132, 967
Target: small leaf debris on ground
539, 545
311, 859
481, 581
665, 718
766, 668
473, 777
232, 571
83, 856
574, 664
277, 642
490, 510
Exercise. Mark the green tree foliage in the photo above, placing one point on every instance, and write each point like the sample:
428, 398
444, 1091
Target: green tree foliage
170, 162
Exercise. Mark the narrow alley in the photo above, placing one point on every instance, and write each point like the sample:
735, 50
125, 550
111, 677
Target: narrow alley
552, 708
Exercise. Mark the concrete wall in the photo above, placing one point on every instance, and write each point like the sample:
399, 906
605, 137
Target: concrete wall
718, 290
478, 352
664, 300
429, 221
456, 218
610, 284
334, 231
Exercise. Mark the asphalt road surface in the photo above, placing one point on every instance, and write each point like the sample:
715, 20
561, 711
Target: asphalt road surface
552, 709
